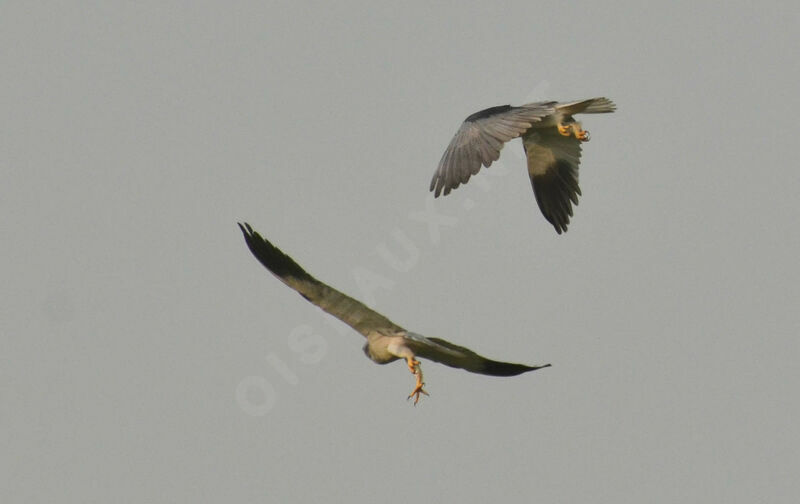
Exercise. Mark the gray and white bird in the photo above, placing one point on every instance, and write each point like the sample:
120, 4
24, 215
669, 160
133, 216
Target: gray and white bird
386, 341
552, 141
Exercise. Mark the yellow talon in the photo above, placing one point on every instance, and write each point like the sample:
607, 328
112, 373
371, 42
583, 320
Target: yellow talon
582, 135
564, 129
418, 390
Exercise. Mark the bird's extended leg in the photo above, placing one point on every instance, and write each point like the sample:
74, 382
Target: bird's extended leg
416, 370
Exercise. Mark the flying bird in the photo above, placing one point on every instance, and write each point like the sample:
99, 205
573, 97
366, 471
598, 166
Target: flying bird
552, 141
386, 341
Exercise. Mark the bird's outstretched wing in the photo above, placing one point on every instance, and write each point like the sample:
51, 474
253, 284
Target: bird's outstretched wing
553, 161
449, 354
354, 313
369, 322
479, 139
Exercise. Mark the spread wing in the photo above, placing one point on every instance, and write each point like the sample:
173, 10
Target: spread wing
553, 161
479, 139
350, 311
366, 320
449, 354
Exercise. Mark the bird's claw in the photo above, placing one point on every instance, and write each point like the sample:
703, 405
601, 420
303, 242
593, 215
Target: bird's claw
575, 129
417, 391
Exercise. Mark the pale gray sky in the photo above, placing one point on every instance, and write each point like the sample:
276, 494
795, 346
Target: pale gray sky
136, 134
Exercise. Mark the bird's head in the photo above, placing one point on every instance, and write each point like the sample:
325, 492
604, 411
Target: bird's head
366, 351
378, 353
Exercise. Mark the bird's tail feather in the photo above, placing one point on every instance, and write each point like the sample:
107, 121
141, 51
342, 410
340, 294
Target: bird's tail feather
590, 106
600, 106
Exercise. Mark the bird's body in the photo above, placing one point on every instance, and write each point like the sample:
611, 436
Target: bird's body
551, 138
386, 341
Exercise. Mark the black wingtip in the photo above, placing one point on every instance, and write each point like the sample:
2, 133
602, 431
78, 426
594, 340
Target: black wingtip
246, 229
495, 368
271, 256
556, 192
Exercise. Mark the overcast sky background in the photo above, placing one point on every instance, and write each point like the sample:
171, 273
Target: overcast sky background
147, 357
